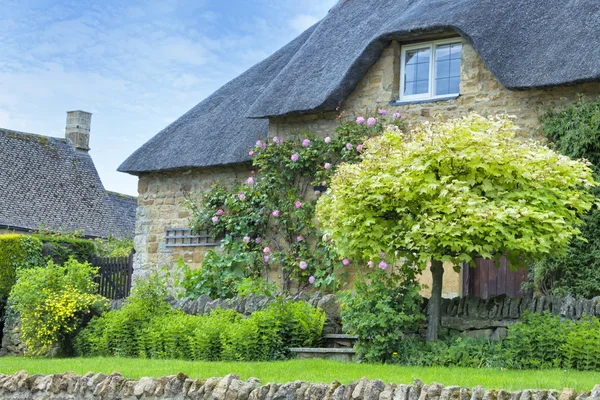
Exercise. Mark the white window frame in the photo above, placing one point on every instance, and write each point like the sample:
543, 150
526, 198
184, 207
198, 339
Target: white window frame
432, 72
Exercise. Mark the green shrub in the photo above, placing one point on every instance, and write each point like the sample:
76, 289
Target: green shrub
451, 352
52, 301
382, 308
218, 278
536, 341
113, 247
117, 333
581, 350
147, 327
16, 252
575, 131
59, 248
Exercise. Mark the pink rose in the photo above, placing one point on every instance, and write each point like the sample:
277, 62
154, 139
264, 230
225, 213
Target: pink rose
266, 250
345, 262
215, 220
327, 140
258, 240
303, 265
370, 264
371, 121
397, 115
276, 139
242, 196
349, 146
359, 148
275, 213
250, 181
382, 112
323, 183
311, 280
220, 212
299, 238
327, 166
266, 259
383, 266
360, 120
259, 143
294, 157
246, 239
306, 143
298, 204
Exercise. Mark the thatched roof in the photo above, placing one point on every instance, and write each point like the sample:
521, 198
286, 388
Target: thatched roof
48, 184
525, 43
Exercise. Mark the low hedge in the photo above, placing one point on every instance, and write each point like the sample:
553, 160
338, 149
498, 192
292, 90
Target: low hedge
148, 327
17, 251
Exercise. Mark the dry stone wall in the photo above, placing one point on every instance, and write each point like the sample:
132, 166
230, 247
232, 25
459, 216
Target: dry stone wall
69, 386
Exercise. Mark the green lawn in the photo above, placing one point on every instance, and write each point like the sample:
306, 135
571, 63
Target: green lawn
310, 370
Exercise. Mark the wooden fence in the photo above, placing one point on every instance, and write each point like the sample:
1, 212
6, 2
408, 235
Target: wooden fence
114, 276
485, 280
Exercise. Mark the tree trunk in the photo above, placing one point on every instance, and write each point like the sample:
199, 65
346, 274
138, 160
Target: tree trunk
435, 302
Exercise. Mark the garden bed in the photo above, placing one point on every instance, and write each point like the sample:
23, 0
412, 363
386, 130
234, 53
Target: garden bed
311, 371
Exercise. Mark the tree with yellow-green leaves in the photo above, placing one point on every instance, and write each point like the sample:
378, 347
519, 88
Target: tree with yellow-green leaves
453, 191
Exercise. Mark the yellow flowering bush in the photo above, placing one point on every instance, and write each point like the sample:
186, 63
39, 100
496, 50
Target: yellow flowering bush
52, 301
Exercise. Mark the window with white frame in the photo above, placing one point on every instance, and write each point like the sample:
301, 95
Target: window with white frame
430, 70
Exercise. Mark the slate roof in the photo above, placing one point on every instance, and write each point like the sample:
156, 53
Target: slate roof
46, 183
525, 43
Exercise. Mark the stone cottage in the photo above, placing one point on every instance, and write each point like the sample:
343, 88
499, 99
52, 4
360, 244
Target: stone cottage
52, 184
416, 57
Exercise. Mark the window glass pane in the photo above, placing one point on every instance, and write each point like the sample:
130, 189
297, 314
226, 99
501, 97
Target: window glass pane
454, 86
447, 68
422, 87
422, 71
442, 69
442, 86
411, 73
456, 50
455, 68
442, 52
416, 71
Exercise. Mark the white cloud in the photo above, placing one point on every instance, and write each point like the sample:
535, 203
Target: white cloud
302, 22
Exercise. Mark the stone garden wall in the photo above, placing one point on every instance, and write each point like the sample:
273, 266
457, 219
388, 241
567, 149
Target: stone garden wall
91, 386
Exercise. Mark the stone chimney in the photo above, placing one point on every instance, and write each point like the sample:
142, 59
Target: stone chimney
78, 129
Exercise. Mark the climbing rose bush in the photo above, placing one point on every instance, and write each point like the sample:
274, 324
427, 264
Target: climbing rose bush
267, 222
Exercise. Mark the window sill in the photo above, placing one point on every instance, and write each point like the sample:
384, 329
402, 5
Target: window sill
434, 100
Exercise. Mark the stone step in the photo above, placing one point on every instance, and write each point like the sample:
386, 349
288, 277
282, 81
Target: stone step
339, 336
338, 354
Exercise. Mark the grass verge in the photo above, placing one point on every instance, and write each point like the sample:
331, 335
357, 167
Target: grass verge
310, 370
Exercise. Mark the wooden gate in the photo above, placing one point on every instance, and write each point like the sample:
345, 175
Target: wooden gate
485, 280
114, 276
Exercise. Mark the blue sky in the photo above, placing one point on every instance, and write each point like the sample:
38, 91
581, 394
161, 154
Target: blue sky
136, 65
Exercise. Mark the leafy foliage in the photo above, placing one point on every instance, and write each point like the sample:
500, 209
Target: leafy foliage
113, 247
146, 326
451, 191
268, 221
117, 332
17, 252
452, 352
218, 278
52, 301
60, 247
575, 132
535, 342
382, 308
